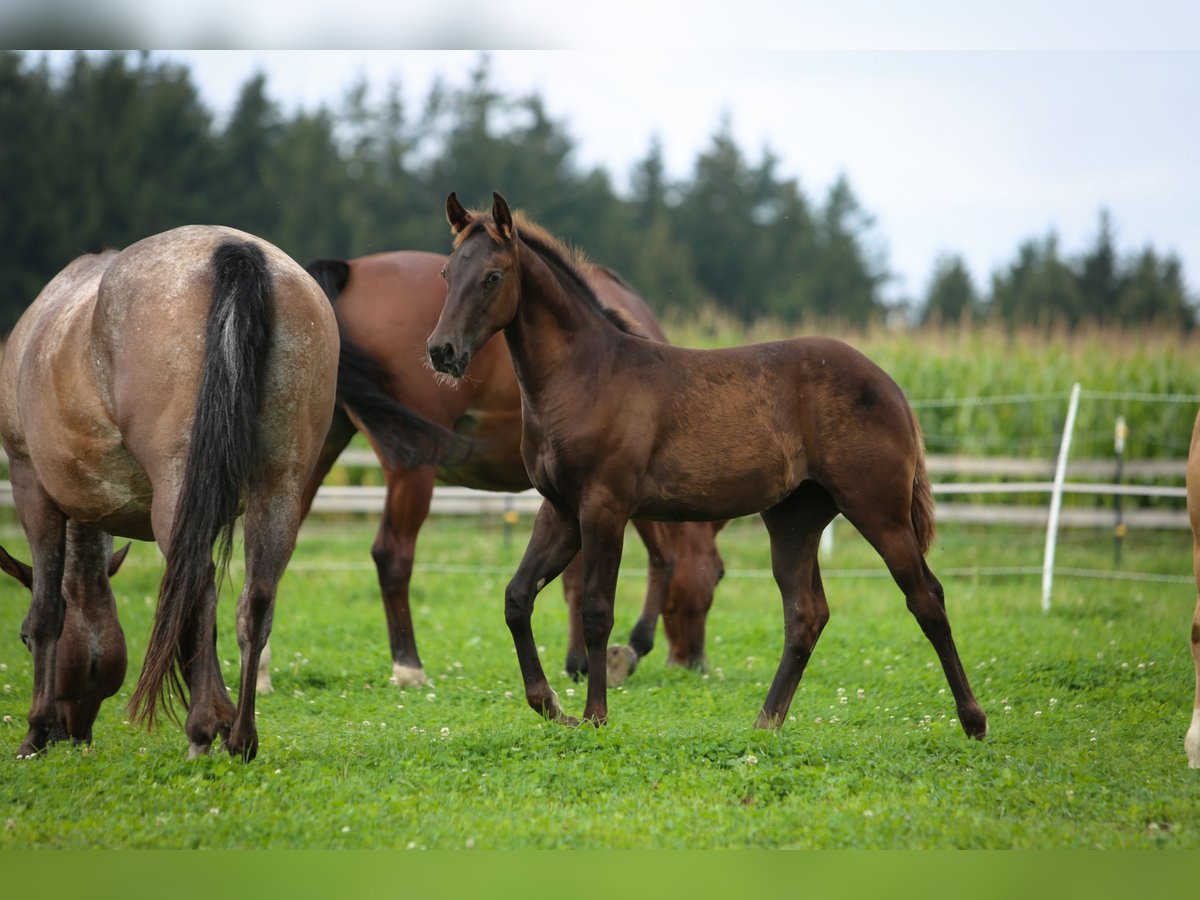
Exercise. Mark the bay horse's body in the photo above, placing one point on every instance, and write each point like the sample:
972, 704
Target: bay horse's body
155, 393
1192, 740
387, 304
796, 430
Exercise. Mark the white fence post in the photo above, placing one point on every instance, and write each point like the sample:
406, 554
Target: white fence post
1060, 472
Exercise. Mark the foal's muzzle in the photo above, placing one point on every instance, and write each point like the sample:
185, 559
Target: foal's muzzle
446, 359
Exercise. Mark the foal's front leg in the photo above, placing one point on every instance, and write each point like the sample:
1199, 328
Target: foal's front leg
553, 544
603, 532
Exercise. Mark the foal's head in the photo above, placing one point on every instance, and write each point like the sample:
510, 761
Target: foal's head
482, 282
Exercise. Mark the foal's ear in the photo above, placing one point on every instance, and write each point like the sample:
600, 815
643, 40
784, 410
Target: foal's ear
16, 568
116, 559
502, 216
456, 214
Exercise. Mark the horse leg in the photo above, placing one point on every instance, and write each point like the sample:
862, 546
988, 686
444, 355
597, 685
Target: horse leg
46, 528
603, 532
572, 583
660, 560
271, 524
890, 532
1192, 741
210, 710
407, 505
553, 543
795, 527
341, 430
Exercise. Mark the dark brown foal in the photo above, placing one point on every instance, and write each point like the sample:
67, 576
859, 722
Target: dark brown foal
387, 303
617, 428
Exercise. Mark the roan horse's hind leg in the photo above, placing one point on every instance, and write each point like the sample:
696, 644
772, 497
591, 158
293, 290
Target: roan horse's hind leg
553, 543
210, 711
795, 526
46, 529
271, 524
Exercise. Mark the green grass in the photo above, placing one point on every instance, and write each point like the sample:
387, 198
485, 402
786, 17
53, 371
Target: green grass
1088, 707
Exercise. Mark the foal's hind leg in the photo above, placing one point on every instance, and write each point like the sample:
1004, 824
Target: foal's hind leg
795, 526
270, 536
891, 534
553, 543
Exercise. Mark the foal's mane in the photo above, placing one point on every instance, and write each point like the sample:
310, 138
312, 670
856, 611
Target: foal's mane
568, 263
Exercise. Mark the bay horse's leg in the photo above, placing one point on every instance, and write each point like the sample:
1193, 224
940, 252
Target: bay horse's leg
271, 524
795, 527
623, 660
341, 430
553, 544
603, 534
572, 584
46, 529
888, 528
409, 492
660, 559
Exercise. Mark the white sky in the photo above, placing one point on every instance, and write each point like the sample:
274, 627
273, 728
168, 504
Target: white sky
954, 140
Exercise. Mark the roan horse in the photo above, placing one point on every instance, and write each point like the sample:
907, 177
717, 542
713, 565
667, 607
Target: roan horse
795, 430
1192, 740
387, 304
156, 393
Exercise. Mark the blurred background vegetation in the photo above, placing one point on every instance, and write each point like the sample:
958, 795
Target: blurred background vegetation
119, 146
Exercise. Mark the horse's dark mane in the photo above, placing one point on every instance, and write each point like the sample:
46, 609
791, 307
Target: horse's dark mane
568, 273
567, 264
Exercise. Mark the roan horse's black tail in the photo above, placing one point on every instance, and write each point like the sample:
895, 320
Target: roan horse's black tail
219, 469
365, 390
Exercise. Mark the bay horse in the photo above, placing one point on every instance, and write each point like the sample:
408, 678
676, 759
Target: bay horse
157, 393
386, 304
1192, 740
617, 427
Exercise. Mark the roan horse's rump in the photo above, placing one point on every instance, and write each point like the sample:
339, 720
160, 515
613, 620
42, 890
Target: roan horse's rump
796, 430
156, 393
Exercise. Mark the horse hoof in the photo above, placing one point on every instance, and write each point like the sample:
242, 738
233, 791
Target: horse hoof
622, 661
576, 667
263, 685
974, 723
408, 676
195, 751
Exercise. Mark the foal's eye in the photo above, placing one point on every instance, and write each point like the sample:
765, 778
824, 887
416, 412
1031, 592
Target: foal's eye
443, 273
493, 278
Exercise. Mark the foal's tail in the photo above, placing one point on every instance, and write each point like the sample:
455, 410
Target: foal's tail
365, 390
922, 498
219, 470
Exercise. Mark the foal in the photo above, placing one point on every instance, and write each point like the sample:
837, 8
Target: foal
616, 427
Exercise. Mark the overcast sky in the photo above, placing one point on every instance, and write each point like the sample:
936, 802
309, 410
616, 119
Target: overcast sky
969, 147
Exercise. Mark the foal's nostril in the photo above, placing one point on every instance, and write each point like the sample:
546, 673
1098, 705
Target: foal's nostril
440, 355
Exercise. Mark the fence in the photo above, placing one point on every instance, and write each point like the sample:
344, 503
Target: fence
1009, 476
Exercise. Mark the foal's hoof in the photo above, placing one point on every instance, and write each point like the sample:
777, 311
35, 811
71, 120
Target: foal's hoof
408, 676
975, 724
621, 661
195, 751
263, 686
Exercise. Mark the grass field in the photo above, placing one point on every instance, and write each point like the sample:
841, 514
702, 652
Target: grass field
1088, 706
